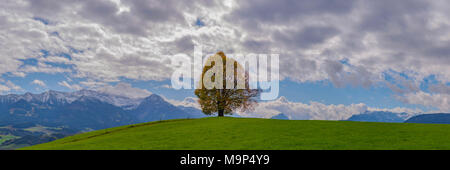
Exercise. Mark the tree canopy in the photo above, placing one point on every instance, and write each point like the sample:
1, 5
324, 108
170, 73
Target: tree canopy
224, 87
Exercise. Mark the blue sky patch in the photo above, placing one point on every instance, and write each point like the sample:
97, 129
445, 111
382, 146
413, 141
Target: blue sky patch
199, 22
42, 20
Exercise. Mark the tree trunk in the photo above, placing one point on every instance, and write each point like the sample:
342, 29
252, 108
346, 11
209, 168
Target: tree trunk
220, 112
219, 105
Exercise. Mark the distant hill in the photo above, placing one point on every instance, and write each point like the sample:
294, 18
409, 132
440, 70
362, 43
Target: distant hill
280, 116
377, 116
14, 136
437, 118
228, 133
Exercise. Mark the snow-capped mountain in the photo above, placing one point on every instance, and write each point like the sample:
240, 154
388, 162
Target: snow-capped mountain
116, 100
51, 97
60, 98
187, 102
88, 109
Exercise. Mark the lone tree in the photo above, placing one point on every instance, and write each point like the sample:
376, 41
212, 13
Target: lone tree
230, 91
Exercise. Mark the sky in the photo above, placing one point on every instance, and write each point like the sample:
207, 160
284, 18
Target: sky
337, 58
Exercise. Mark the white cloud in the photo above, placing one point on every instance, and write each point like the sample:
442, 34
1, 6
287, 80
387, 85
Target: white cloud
13, 86
7, 86
164, 86
354, 42
69, 86
4, 88
128, 38
125, 89
440, 101
301, 111
311, 111
320, 111
39, 83
187, 102
93, 84
440, 88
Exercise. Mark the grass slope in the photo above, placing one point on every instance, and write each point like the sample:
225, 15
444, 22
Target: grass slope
261, 134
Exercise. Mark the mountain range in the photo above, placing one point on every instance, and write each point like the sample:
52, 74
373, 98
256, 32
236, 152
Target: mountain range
30, 119
379, 116
390, 117
88, 109
91, 110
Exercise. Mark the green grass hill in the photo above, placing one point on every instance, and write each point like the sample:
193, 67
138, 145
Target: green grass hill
257, 134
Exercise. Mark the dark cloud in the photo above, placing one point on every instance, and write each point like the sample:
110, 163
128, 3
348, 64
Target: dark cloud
47, 7
440, 54
282, 11
356, 76
184, 44
410, 37
385, 15
347, 42
257, 45
141, 18
306, 37
440, 88
403, 26
100, 8
157, 11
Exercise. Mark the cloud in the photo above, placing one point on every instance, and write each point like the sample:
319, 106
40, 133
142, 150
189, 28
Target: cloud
441, 101
69, 86
311, 111
8, 86
129, 38
306, 37
93, 84
361, 41
355, 42
254, 13
125, 89
440, 88
320, 111
187, 102
4, 88
164, 86
39, 83
356, 76
301, 111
